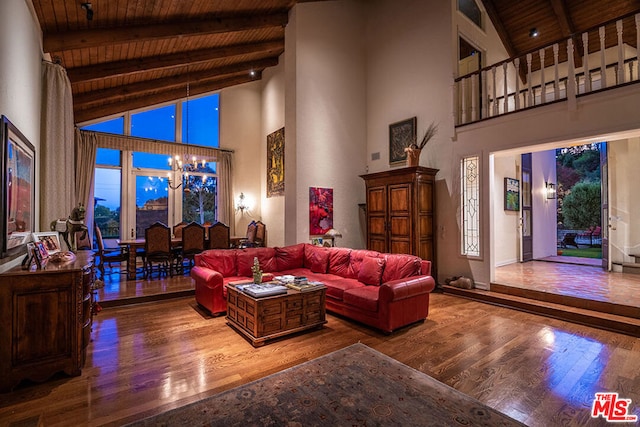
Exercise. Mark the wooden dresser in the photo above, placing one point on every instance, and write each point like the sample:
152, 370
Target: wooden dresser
45, 320
400, 212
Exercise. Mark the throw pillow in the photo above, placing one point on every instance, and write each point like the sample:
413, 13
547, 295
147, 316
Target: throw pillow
371, 271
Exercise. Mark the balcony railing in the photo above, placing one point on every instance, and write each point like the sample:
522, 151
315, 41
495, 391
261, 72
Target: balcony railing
598, 59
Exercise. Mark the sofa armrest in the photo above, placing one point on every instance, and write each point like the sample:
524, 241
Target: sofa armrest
206, 276
425, 268
400, 289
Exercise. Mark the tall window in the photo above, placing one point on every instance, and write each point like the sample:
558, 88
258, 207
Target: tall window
107, 190
470, 203
200, 126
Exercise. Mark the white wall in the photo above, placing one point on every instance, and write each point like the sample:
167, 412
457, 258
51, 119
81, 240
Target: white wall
273, 100
20, 81
326, 114
241, 130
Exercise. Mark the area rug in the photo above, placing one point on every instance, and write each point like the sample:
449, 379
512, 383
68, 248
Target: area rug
355, 386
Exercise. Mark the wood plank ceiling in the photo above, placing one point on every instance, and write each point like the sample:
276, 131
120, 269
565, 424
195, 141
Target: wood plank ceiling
135, 53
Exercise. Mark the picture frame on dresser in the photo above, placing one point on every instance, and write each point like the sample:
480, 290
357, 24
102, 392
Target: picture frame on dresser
50, 239
17, 181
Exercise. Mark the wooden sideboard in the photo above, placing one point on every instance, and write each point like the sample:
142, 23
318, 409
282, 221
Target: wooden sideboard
45, 320
400, 212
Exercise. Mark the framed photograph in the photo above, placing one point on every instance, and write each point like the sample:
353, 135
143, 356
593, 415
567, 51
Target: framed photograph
50, 240
17, 183
275, 163
511, 194
401, 135
40, 253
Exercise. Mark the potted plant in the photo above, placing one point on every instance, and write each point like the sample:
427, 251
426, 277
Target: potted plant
414, 149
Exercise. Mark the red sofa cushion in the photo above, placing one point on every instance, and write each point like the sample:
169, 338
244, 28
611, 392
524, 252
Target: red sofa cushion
371, 270
316, 258
336, 286
266, 257
355, 259
339, 261
290, 257
365, 297
220, 260
400, 266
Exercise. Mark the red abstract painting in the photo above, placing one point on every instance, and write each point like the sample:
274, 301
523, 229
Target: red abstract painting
320, 210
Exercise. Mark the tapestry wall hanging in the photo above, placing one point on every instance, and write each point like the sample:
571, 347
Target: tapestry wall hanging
275, 163
511, 194
320, 210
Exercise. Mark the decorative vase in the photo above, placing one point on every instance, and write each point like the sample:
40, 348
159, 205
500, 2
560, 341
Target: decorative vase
413, 157
257, 277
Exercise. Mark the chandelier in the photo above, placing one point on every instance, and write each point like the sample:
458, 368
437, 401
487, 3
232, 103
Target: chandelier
178, 164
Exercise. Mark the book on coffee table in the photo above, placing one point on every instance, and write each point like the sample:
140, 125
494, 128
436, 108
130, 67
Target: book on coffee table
262, 290
306, 286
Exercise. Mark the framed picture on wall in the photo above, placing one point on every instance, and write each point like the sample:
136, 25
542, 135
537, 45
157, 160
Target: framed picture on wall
401, 135
17, 203
275, 163
511, 194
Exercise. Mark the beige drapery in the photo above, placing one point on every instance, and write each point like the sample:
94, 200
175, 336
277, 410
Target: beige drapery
222, 157
57, 169
225, 195
86, 147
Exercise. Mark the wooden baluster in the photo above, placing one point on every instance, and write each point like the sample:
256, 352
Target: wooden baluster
571, 77
587, 73
620, 52
543, 90
505, 88
463, 97
529, 91
516, 64
495, 101
603, 64
484, 112
556, 84
474, 97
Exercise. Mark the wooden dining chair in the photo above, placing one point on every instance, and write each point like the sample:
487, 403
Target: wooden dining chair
157, 245
107, 255
193, 242
219, 236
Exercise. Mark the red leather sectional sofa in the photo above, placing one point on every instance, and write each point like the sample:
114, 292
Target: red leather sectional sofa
385, 291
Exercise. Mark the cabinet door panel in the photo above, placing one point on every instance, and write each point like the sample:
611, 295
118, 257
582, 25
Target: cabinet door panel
400, 227
399, 199
400, 247
379, 245
376, 201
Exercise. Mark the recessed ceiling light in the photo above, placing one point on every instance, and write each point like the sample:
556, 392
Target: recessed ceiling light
252, 73
533, 32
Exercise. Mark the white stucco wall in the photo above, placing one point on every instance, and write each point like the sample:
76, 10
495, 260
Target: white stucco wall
325, 79
20, 78
273, 99
241, 130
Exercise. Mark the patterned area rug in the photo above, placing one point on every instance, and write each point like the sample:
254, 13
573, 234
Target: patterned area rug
355, 386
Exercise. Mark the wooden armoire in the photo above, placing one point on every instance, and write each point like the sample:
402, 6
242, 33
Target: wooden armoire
400, 212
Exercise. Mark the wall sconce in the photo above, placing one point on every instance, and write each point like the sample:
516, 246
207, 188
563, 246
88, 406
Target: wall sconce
550, 189
242, 205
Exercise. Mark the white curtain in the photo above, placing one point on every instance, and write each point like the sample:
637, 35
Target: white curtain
57, 164
86, 148
225, 195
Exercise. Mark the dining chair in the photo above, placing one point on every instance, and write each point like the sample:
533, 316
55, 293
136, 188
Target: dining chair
107, 255
193, 242
261, 234
177, 229
219, 236
157, 245
249, 240
83, 240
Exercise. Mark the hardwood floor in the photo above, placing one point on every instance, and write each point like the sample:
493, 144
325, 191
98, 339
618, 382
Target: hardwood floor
148, 358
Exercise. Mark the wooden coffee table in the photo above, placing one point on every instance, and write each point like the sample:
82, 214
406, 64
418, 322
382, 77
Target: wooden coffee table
266, 318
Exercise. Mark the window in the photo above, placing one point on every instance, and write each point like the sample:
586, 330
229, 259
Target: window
470, 203
200, 119
107, 190
470, 9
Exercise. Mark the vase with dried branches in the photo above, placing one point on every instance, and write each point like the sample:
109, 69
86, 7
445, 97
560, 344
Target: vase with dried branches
414, 149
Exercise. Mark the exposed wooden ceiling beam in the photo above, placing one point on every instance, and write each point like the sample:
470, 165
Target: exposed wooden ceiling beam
562, 14
136, 90
84, 115
57, 42
141, 65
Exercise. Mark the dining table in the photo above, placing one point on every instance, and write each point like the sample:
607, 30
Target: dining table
132, 246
